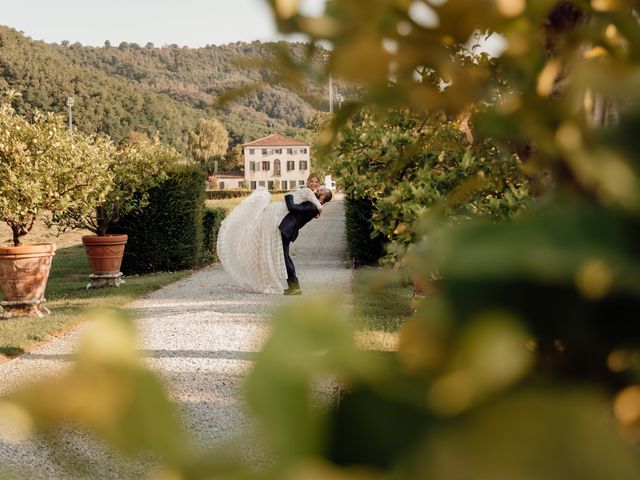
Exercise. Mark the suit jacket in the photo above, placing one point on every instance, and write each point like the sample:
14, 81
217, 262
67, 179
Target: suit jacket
298, 217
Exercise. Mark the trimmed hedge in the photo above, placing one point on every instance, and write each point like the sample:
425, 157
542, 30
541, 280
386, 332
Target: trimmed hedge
362, 249
224, 194
211, 221
167, 235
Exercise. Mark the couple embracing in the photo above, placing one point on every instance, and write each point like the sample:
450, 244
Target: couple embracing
254, 240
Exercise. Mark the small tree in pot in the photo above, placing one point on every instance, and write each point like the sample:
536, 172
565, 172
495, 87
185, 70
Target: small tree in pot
137, 165
45, 170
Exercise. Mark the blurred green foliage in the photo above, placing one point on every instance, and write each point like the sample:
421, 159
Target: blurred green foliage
537, 309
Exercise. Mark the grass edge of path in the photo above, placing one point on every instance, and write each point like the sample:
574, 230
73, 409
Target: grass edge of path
69, 301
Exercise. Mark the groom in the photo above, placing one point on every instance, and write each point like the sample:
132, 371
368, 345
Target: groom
298, 217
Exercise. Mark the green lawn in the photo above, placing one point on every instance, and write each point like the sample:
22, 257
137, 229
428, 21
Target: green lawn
379, 306
229, 203
375, 309
68, 299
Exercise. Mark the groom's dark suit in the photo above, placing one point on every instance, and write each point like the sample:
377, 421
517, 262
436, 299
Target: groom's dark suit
298, 217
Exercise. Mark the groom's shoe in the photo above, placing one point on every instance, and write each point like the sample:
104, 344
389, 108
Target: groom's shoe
294, 288
293, 291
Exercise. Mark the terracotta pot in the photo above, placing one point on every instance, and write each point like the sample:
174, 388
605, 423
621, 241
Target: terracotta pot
425, 288
24, 272
105, 252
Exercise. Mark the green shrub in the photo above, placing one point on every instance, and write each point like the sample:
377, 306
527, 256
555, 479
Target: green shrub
224, 194
211, 221
166, 235
414, 165
362, 248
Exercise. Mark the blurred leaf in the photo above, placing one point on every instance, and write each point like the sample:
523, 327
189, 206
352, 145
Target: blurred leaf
109, 393
544, 431
548, 246
310, 342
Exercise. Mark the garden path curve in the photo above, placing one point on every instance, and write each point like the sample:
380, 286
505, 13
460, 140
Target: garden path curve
199, 335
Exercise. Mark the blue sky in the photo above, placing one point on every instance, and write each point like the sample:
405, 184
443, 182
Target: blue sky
192, 23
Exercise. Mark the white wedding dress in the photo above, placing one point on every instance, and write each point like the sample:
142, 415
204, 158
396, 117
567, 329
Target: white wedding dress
249, 241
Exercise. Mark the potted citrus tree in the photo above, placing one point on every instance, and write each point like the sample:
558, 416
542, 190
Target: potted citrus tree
138, 164
45, 170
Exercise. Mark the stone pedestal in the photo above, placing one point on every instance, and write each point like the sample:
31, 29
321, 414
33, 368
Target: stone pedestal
103, 280
29, 308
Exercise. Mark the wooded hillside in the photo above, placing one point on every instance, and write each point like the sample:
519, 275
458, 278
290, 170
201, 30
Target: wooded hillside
157, 90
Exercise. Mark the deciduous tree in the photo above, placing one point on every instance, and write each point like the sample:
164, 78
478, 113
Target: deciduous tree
208, 142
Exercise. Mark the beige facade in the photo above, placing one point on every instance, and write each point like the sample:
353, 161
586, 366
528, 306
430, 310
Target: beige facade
276, 162
230, 182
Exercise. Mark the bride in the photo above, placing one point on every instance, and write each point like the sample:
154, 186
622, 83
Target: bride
249, 242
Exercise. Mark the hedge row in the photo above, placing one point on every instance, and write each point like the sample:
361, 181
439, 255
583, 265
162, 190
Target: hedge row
173, 232
224, 194
362, 248
211, 222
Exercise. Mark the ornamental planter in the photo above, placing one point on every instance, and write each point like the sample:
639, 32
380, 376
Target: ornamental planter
425, 288
105, 256
24, 272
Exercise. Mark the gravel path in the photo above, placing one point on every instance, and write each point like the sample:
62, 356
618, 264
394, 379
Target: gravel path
200, 335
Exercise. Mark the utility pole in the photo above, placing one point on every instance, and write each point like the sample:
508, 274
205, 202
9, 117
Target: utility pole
70, 104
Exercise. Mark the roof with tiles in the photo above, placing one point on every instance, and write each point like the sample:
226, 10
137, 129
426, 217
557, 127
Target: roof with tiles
276, 140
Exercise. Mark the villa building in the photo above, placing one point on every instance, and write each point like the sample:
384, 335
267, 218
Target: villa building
276, 162
225, 181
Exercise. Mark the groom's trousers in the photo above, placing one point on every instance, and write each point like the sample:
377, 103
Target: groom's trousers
292, 279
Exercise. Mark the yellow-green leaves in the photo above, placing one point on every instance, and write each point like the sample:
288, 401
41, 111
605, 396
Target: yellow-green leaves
310, 348
511, 8
47, 169
208, 141
547, 78
489, 356
411, 164
136, 165
287, 8
107, 392
65, 175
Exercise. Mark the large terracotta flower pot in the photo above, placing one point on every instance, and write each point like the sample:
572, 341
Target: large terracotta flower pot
105, 256
24, 272
425, 288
